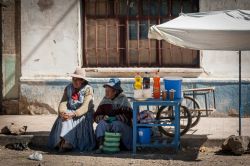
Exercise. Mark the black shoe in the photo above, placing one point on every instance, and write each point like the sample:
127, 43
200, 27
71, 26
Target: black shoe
99, 150
63, 150
64, 147
17, 146
100, 141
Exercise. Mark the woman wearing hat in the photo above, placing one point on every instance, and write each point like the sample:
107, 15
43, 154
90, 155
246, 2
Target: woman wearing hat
73, 129
114, 114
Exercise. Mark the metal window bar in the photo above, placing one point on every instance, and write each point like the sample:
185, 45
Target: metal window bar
127, 34
112, 11
106, 34
1, 59
96, 30
85, 36
158, 46
139, 4
116, 10
149, 46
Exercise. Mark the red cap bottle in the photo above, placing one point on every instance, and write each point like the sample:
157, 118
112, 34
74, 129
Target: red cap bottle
156, 86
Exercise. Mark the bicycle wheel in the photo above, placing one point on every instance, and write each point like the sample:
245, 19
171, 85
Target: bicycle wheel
192, 104
167, 113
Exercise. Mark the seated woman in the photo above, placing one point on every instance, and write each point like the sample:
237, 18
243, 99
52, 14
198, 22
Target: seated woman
73, 129
114, 114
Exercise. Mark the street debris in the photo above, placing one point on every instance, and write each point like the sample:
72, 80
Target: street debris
14, 129
36, 156
236, 144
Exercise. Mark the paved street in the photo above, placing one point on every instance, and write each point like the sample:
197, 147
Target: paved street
187, 157
200, 146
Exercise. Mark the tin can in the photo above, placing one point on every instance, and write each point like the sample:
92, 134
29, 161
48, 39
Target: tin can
164, 95
171, 94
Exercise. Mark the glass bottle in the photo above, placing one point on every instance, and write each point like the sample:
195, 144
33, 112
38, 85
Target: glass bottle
146, 81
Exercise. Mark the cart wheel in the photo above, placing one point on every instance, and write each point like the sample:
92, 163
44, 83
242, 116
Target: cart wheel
192, 104
167, 113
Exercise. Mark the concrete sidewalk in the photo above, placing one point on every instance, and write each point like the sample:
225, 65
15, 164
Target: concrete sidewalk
208, 132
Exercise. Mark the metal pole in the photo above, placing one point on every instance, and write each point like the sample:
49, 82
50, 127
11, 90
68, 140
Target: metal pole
1, 56
240, 111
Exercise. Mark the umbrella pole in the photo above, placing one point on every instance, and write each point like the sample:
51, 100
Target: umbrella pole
240, 110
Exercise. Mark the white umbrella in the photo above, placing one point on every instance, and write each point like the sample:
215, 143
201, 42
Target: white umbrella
214, 30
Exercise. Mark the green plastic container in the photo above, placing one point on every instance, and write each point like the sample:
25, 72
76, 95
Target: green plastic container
111, 143
110, 150
112, 139
109, 134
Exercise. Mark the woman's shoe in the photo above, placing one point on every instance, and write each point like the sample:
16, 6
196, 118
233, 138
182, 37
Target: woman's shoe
64, 146
100, 141
99, 150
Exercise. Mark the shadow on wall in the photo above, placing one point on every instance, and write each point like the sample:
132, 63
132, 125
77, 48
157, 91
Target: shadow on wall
44, 5
11, 106
1, 53
34, 107
15, 107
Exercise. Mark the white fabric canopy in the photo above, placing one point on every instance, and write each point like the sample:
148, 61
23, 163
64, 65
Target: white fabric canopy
217, 30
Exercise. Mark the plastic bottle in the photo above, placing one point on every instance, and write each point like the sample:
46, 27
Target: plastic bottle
138, 82
156, 86
146, 81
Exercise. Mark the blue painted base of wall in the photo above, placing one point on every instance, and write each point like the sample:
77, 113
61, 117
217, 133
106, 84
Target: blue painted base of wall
226, 92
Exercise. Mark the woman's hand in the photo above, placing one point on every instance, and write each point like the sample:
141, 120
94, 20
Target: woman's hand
106, 117
62, 114
66, 116
71, 115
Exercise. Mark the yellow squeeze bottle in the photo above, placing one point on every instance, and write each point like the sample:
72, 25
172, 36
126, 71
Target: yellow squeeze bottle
138, 82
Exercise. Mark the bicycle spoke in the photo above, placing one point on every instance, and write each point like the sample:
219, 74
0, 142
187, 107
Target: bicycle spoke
168, 112
192, 105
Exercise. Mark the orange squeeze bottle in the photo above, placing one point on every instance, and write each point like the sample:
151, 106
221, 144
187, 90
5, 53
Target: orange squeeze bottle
156, 86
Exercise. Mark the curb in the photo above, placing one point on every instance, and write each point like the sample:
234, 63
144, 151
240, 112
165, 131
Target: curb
42, 140
198, 142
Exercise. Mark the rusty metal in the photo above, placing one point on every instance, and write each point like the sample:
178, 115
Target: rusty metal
158, 44
85, 36
106, 35
138, 41
127, 35
1, 58
169, 9
158, 56
149, 41
139, 11
117, 7
96, 37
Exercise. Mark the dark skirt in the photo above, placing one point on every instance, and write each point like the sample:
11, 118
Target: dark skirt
78, 132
